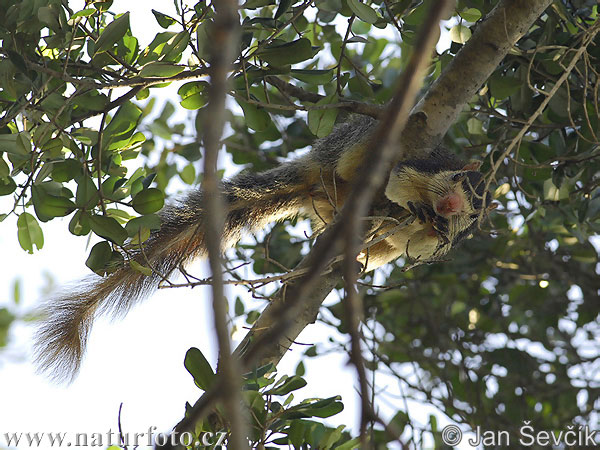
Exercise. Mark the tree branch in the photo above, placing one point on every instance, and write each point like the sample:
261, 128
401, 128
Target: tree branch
366, 109
467, 71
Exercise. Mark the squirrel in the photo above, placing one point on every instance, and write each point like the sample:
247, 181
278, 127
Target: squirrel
440, 199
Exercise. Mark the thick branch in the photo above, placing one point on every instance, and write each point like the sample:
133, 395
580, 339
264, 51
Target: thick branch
468, 71
366, 109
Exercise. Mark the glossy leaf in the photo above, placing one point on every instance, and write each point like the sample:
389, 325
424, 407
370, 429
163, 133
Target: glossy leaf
7, 185
281, 54
108, 228
291, 384
29, 233
470, 14
148, 201
363, 11
460, 34
163, 20
193, 94
99, 257
321, 121
113, 32
160, 70
312, 76
150, 221
197, 365
48, 206
256, 118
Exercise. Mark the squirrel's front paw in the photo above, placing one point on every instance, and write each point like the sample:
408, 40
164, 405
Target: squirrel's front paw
425, 213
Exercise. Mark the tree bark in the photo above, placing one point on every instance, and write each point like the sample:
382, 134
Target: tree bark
467, 72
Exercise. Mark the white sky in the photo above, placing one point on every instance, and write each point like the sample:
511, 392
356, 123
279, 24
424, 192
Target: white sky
137, 361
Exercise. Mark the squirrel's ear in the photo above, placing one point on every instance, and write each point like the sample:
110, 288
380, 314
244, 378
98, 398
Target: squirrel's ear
473, 166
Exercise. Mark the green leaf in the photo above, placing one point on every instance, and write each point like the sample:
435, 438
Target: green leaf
259, 372
256, 118
360, 87
254, 4
143, 94
118, 132
326, 407
321, 121
159, 69
7, 186
102, 5
47, 206
364, 12
86, 136
108, 228
24, 143
174, 47
279, 54
49, 16
349, 445
150, 221
99, 257
84, 13
239, 307
120, 215
148, 201
296, 433
163, 20
124, 120
460, 34
4, 169
188, 174
140, 268
312, 76
291, 384
87, 193
29, 232
503, 86
154, 50
553, 193
197, 365
79, 224
193, 94
17, 291
112, 33
53, 148
8, 144
256, 403
470, 14
284, 5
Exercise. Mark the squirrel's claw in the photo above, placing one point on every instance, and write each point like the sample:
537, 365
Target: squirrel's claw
426, 213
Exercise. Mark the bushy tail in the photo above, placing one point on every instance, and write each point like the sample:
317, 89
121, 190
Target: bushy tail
252, 201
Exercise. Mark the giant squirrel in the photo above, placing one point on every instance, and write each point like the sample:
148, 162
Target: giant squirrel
440, 200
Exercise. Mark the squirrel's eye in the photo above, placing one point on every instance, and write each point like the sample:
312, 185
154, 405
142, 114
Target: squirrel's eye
459, 176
